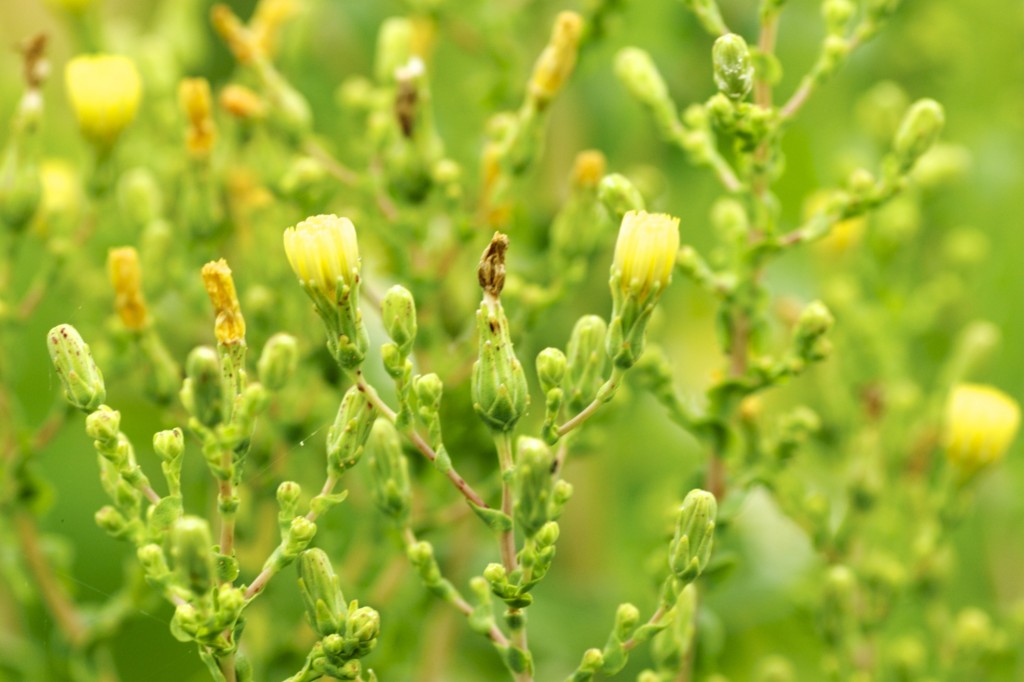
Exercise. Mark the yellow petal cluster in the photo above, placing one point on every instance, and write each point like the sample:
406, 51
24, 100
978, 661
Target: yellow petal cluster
104, 90
195, 100
981, 422
220, 287
645, 252
557, 61
321, 250
126, 278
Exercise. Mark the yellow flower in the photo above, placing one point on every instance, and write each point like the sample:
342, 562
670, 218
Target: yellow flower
220, 287
645, 253
556, 62
981, 422
194, 97
126, 278
321, 250
104, 91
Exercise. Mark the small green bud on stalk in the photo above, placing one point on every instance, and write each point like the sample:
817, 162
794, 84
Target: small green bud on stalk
392, 490
918, 131
838, 603
619, 196
154, 563
637, 71
300, 534
428, 389
321, 592
278, 361
499, 389
645, 255
398, 310
103, 425
363, 629
81, 378
139, 197
627, 618
837, 14
691, 546
203, 392
809, 335
733, 70
551, 366
112, 521
532, 484
394, 48
192, 554
586, 361
288, 495
348, 434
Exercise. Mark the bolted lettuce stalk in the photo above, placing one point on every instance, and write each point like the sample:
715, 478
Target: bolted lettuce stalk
81, 378
499, 390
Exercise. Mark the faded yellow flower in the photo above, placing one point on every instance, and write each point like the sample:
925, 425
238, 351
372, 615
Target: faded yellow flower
126, 278
220, 287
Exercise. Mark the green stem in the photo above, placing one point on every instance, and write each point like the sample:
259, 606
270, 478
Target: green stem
604, 394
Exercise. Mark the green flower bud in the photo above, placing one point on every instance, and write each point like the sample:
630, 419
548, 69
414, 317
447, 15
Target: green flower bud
637, 71
495, 574
775, 669
203, 393
586, 361
532, 484
112, 521
154, 563
288, 495
627, 617
138, 197
919, 130
394, 48
398, 310
691, 546
321, 592
300, 534
551, 366
81, 378
734, 73
837, 14
230, 602
21, 186
619, 196
499, 390
278, 361
192, 554
185, 623
348, 434
392, 490
169, 444
838, 602
547, 536
103, 425
364, 628
306, 181
428, 389
815, 321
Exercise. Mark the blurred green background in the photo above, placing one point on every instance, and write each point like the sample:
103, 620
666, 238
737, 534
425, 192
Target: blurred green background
967, 55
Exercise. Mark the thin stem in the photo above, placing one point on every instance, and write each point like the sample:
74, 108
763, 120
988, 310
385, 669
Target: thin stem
766, 45
507, 539
57, 601
655, 618
604, 394
261, 580
809, 83
458, 481
339, 170
457, 600
225, 492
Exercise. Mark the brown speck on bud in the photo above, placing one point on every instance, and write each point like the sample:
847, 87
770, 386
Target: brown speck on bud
491, 272
35, 68
405, 106
220, 287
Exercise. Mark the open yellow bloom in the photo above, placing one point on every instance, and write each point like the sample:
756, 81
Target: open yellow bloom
126, 278
321, 250
105, 90
981, 422
645, 252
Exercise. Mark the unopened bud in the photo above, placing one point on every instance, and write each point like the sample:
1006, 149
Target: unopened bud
551, 366
321, 592
586, 361
81, 378
202, 393
694, 538
351, 428
192, 554
392, 490
619, 195
532, 484
278, 361
919, 130
300, 534
398, 310
103, 425
734, 73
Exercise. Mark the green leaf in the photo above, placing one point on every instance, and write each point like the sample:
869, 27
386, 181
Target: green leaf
496, 520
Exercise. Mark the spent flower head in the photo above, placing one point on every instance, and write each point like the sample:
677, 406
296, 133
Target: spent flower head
104, 90
126, 278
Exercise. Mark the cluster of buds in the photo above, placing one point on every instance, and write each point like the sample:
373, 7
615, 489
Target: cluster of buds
324, 254
645, 255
